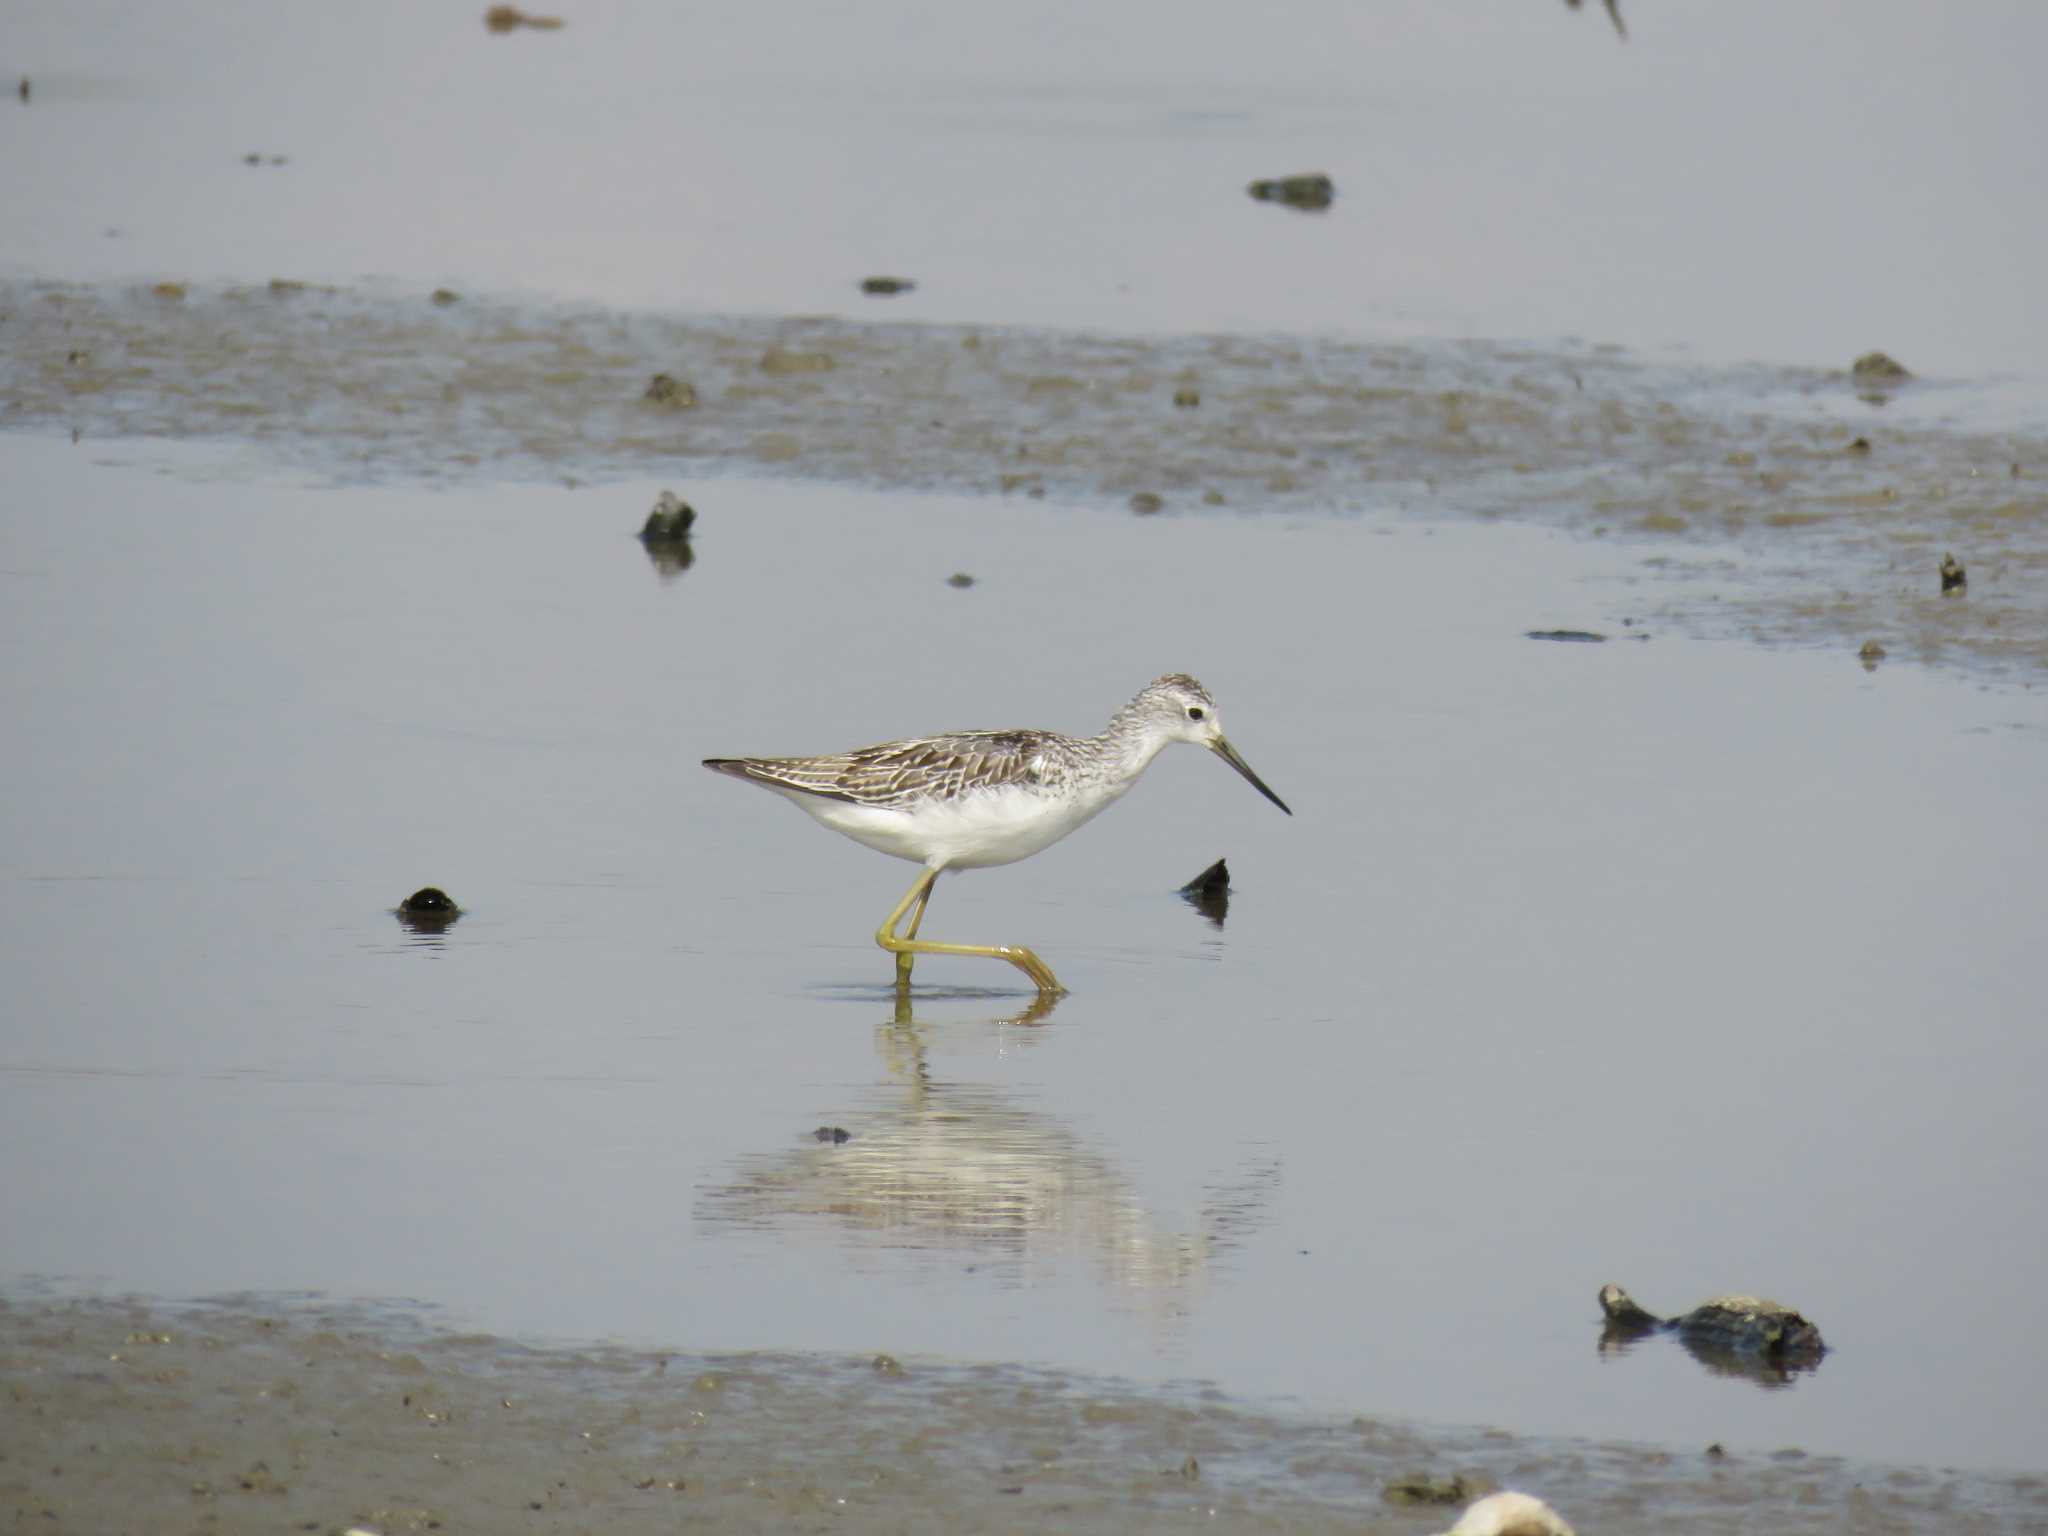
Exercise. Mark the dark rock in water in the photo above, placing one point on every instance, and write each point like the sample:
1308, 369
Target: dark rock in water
1573, 636
1860, 445
1312, 191
1871, 654
445, 296
666, 535
836, 1134
670, 392
669, 521
1723, 1331
1953, 577
1621, 1309
1145, 503
1878, 368
509, 18
1209, 892
960, 579
1187, 399
428, 910
883, 287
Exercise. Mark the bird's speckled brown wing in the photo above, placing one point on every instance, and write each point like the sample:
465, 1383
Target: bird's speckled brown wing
900, 773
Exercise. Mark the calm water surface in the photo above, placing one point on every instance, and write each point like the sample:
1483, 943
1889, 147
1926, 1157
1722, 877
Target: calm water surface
1675, 963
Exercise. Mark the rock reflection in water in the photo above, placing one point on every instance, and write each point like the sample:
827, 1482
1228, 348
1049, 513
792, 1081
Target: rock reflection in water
960, 1168
1617, 1339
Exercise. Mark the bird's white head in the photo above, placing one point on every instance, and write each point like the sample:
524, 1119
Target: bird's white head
1177, 708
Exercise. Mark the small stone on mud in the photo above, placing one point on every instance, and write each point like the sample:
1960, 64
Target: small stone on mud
781, 360
1145, 503
960, 579
1716, 1452
1421, 1488
669, 521
1871, 654
666, 390
445, 296
1953, 578
1571, 636
1878, 367
890, 1366
173, 292
836, 1134
1311, 191
1187, 399
883, 287
1860, 445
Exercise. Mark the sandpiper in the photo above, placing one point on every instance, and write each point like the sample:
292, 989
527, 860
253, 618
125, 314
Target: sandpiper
979, 798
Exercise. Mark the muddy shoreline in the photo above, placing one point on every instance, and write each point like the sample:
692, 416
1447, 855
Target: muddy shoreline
1817, 519
256, 1415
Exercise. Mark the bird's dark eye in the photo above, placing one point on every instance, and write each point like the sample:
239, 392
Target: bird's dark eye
1196, 712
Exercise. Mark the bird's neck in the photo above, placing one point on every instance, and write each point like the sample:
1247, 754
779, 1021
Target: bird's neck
1129, 744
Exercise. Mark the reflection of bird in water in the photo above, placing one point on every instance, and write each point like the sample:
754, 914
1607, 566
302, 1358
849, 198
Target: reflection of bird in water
975, 799
962, 1170
1613, 14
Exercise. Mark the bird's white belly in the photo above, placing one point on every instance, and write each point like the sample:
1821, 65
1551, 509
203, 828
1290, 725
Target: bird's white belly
974, 831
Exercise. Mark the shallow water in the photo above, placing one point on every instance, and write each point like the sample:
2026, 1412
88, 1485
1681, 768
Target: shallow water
1678, 963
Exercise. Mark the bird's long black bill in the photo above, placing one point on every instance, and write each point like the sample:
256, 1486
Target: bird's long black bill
1228, 753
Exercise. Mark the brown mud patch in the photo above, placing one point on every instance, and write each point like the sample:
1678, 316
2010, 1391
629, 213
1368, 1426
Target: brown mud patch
247, 1416
1797, 513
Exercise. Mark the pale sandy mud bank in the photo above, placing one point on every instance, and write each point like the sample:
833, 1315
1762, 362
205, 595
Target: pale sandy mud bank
1818, 506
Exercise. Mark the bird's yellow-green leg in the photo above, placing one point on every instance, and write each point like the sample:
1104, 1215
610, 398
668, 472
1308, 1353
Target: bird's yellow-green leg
903, 957
906, 946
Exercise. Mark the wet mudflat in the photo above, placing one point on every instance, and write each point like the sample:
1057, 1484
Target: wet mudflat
231, 1417
1825, 501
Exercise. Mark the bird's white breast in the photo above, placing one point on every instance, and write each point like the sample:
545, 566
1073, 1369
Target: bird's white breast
976, 830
